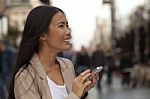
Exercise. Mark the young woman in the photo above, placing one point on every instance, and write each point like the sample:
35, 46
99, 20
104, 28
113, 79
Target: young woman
40, 73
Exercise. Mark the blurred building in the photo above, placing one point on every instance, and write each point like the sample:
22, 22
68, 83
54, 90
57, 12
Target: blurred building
102, 34
17, 12
13, 13
2, 7
35, 3
3, 19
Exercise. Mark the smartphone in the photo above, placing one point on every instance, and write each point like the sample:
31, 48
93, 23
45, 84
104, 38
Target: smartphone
95, 71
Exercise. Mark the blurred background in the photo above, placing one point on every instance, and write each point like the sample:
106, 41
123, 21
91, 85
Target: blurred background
111, 33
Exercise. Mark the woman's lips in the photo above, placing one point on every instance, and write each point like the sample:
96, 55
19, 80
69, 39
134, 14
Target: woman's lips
67, 39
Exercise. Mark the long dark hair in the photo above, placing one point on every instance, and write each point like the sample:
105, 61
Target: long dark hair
36, 24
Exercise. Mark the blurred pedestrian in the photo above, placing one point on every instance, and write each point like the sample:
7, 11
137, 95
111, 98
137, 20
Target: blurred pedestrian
69, 54
7, 59
126, 66
82, 60
99, 59
40, 73
110, 63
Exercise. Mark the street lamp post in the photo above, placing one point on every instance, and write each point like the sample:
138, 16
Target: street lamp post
113, 20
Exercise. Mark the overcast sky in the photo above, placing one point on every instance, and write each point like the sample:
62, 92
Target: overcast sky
81, 16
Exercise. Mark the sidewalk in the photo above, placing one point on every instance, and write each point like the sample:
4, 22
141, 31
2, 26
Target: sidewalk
116, 91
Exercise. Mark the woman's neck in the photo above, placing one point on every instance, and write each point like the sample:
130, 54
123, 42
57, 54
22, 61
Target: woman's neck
48, 59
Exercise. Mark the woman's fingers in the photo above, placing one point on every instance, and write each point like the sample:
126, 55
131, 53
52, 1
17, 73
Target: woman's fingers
97, 76
84, 73
87, 83
79, 83
82, 84
83, 76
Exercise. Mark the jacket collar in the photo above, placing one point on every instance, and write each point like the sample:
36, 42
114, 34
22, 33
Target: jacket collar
39, 67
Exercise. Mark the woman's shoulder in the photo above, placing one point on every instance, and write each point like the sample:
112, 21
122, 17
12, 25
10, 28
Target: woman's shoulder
25, 82
25, 72
66, 62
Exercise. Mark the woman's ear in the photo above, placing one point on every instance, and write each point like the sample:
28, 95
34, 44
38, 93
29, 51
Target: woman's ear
43, 37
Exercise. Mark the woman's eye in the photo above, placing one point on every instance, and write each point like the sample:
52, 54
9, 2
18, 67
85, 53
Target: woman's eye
67, 26
61, 26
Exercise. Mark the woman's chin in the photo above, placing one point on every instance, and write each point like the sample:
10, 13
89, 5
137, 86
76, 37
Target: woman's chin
67, 47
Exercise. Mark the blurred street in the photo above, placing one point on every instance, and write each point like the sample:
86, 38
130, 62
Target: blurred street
116, 91
114, 34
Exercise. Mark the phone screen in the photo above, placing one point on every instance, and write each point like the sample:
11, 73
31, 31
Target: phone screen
96, 70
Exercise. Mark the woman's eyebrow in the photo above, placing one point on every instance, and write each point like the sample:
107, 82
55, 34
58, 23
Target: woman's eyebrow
62, 22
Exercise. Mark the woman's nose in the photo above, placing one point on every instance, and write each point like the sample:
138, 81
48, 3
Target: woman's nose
68, 31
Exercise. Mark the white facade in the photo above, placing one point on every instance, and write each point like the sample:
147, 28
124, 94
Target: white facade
35, 3
18, 10
3, 26
17, 16
102, 34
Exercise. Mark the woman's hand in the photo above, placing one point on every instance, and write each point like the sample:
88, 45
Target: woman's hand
79, 83
82, 85
94, 79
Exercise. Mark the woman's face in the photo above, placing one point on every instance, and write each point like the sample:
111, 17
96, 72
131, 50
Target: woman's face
58, 36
